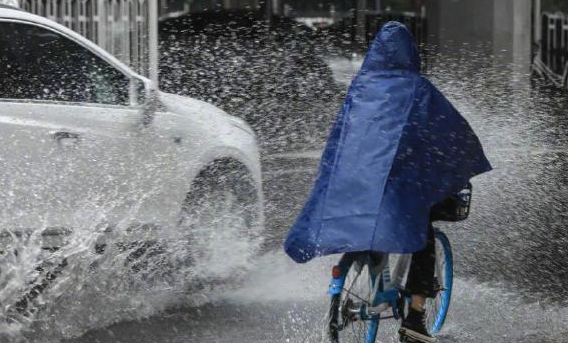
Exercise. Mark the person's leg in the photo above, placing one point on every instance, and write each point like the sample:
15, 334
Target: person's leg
420, 285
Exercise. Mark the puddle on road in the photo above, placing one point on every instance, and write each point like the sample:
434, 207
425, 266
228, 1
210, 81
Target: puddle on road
478, 312
282, 302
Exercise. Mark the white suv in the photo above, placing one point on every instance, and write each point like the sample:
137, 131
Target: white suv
88, 146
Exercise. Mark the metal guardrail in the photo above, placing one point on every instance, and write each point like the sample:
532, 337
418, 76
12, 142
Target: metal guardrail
125, 28
551, 60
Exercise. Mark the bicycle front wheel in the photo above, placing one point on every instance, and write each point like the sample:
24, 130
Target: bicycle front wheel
437, 308
348, 322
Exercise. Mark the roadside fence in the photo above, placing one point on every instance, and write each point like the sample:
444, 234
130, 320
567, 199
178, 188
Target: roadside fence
551, 59
125, 28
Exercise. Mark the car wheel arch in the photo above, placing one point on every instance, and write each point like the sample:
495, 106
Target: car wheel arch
222, 170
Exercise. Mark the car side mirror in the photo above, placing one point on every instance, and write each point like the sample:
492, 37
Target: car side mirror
147, 99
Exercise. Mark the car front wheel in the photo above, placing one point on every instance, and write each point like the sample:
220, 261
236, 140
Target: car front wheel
221, 220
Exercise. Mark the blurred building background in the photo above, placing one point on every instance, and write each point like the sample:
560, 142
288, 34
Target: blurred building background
519, 31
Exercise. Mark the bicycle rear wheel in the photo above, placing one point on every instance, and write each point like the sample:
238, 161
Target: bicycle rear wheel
347, 320
437, 308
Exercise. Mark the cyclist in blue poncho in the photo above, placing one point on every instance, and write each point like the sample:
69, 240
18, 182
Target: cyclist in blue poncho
397, 150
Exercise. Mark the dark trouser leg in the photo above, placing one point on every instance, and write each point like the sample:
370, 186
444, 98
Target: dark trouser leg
421, 274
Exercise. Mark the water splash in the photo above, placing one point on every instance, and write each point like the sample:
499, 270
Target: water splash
100, 274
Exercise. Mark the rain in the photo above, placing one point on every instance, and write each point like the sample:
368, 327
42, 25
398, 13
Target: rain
129, 268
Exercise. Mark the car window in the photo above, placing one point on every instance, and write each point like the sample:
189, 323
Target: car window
38, 64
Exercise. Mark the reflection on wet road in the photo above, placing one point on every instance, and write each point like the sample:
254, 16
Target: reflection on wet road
282, 302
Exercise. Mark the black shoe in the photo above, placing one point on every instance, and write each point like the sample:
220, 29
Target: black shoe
413, 328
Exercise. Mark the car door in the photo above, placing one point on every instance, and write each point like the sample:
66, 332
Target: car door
31, 168
74, 150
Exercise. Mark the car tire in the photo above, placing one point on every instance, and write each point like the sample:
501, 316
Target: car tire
221, 218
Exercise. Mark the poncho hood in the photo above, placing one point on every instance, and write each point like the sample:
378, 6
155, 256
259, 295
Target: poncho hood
393, 48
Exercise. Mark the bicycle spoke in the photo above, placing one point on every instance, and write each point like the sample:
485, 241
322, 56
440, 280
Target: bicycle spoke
358, 292
355, 279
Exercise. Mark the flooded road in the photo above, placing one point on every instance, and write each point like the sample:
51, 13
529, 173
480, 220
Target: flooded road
511, 254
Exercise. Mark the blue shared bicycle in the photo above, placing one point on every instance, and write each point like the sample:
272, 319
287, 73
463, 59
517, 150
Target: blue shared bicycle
368, 287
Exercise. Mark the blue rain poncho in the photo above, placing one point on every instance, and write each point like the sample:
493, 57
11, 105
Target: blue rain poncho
397, 147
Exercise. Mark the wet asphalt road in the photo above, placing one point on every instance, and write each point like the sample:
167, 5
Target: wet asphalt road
511, 255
